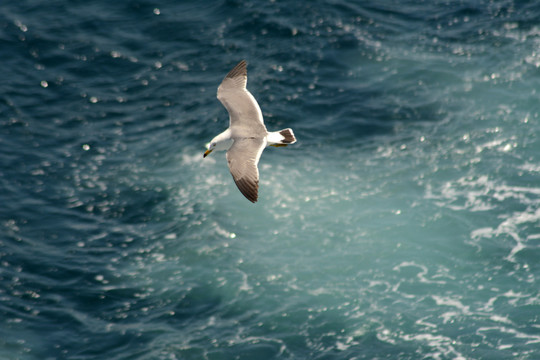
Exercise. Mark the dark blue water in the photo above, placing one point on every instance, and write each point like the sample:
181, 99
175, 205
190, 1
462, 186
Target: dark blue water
404, 224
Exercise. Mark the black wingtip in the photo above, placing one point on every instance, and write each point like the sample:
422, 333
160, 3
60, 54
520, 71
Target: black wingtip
249, 189
239, 70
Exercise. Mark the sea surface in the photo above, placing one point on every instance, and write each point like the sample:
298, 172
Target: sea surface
403, 224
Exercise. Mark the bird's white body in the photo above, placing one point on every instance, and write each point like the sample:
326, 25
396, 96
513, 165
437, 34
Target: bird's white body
224, 140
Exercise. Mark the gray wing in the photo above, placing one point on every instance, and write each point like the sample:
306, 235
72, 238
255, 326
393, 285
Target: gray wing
243, 157
245, 115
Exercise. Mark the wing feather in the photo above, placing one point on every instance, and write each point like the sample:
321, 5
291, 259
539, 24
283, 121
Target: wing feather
243, 157
245, 115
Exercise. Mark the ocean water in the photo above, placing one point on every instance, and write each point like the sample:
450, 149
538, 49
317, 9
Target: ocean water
403, 224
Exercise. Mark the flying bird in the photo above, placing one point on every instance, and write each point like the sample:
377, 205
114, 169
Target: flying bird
246, 137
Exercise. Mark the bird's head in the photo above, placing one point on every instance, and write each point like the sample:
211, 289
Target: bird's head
209, 148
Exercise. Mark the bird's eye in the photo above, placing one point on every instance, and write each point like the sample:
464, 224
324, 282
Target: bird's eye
213, 145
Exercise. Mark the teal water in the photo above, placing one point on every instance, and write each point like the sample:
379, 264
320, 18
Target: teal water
404, 224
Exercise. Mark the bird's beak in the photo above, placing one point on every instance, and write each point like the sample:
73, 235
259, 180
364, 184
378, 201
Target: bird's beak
206, 153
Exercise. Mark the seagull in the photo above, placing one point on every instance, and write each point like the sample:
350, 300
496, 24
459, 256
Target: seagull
246, 137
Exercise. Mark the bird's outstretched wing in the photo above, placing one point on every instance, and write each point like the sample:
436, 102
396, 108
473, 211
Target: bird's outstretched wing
243, 157
245, 115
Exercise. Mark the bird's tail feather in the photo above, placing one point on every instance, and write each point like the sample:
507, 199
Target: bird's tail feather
281, 138
288, 136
